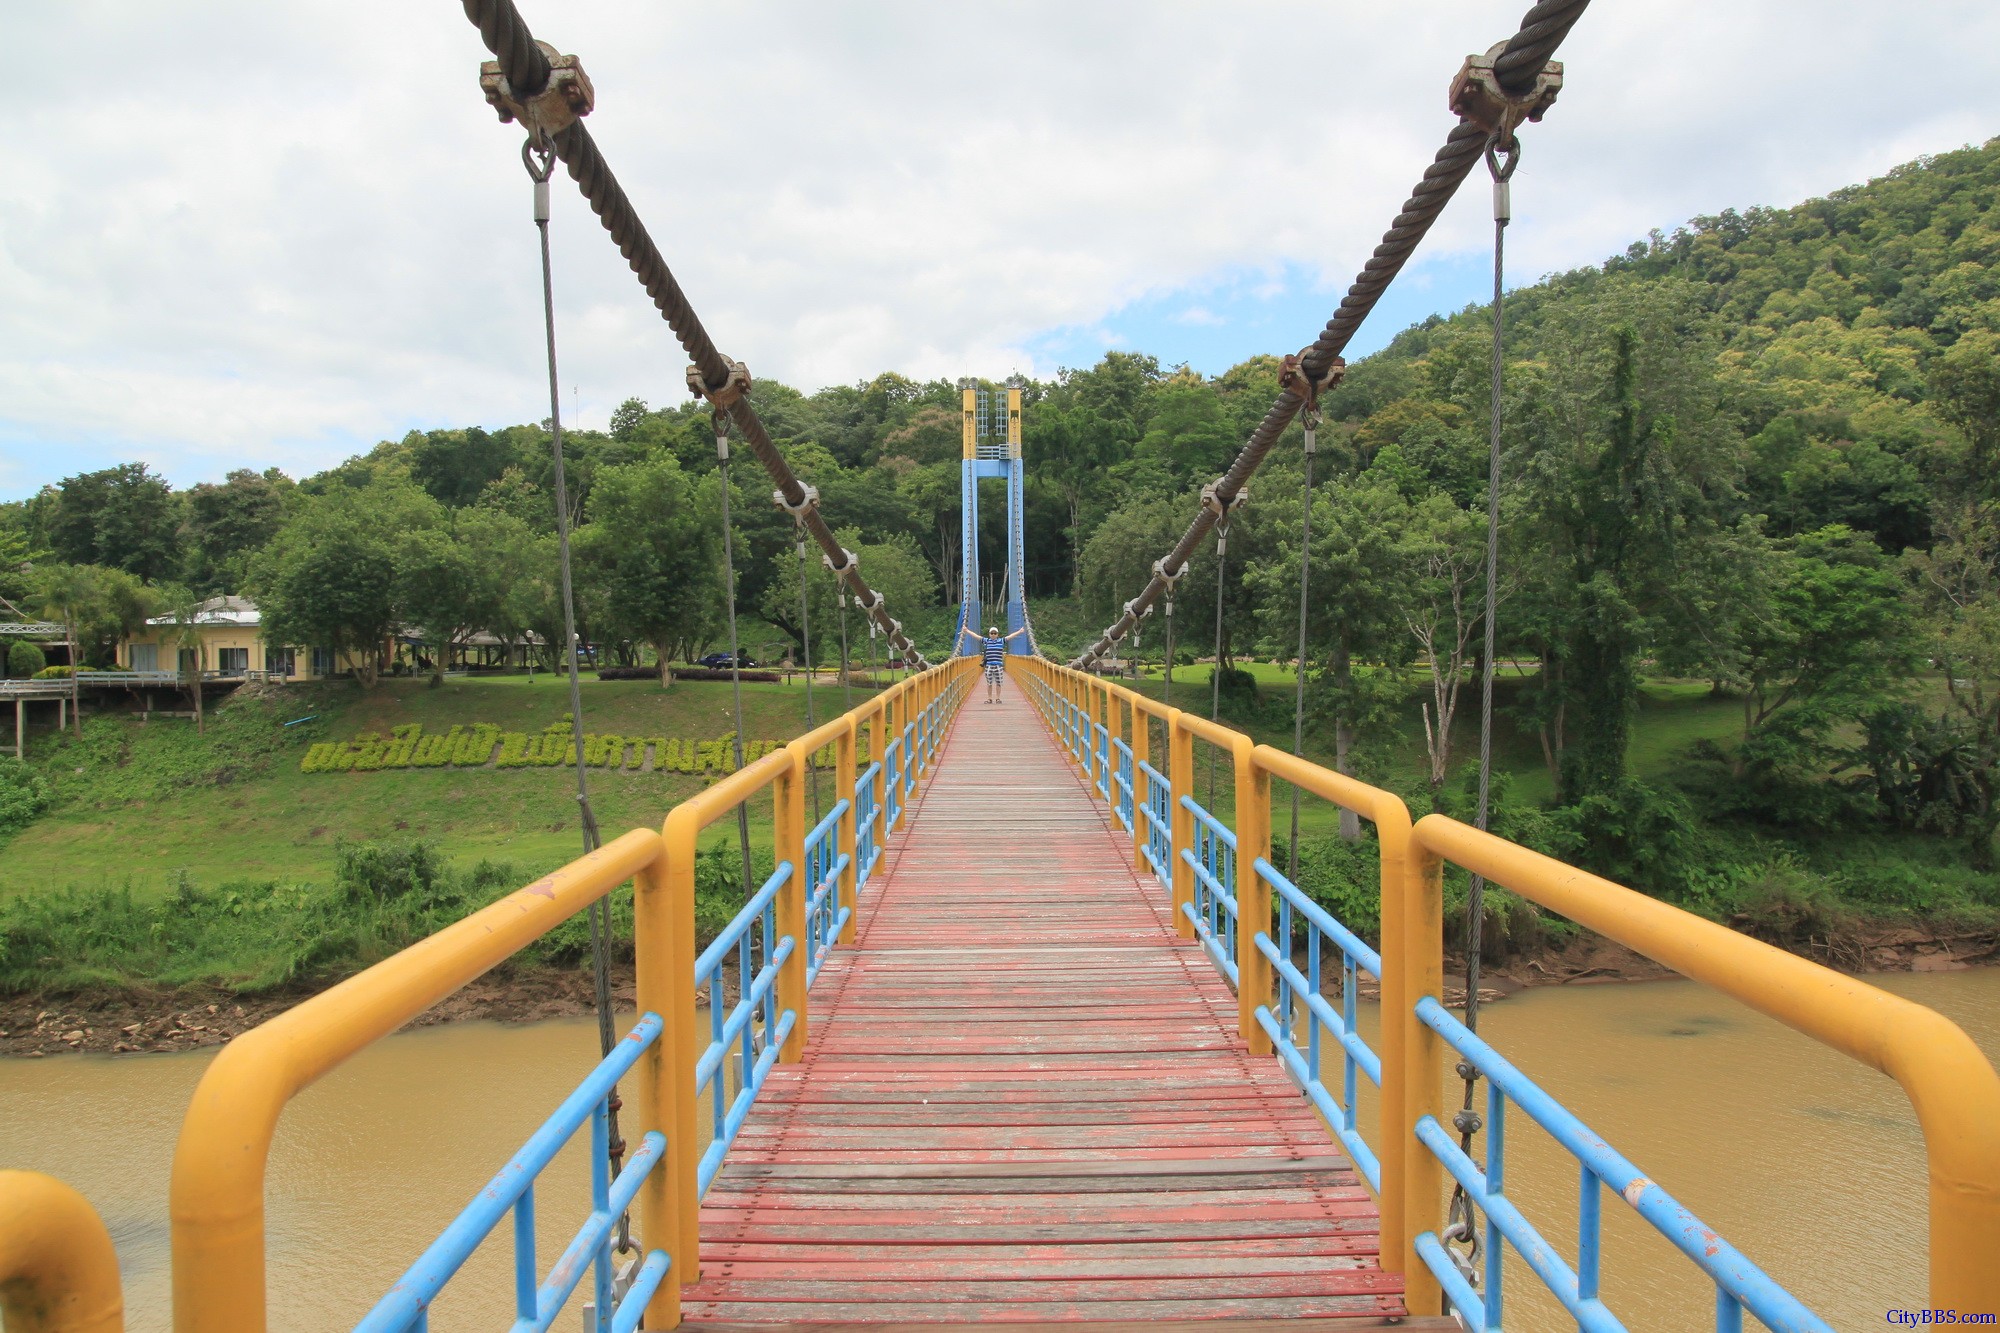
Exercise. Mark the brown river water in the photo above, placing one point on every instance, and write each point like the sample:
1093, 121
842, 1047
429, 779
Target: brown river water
1811, 1164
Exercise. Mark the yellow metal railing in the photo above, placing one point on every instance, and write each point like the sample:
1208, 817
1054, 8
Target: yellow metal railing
217, 1191
1949, 1081
58, 1272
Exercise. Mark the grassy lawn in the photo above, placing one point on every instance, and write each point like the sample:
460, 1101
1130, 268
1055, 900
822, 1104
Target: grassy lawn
1672, 715
270, 821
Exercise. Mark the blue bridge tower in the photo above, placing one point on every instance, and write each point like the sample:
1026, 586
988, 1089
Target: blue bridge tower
990, 437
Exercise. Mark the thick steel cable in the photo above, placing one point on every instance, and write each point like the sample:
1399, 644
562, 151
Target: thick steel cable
508, 37
721, 426
1542, 29
537, 158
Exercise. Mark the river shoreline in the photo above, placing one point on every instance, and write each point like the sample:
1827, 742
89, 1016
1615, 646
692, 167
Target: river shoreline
127, 1021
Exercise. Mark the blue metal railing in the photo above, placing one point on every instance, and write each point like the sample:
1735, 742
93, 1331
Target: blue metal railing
1158, 813
1101, 755
1301, 1001
826, 915
1213, 906
1739, 1284
1121, 783
538, 1303
753, 1028
892, 788
868, 839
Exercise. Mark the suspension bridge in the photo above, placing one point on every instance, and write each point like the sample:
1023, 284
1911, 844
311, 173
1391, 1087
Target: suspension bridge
1019, 1031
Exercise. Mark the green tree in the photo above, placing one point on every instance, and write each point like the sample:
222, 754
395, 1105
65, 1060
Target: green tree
648, 551
181, 607
121, 517
1831, 644
1956, 587
329, 578
1625, 455
72, 596
229, 523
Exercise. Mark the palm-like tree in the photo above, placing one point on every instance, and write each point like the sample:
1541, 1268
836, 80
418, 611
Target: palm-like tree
69, 595
182, 611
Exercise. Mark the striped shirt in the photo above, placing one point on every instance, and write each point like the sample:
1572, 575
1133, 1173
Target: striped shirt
991, 650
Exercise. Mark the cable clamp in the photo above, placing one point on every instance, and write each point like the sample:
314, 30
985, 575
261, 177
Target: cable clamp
1137, 616
1476, 94
1211, 500
808, 501
1296, 378
1160, 573
734, 385
846, 568
566, 99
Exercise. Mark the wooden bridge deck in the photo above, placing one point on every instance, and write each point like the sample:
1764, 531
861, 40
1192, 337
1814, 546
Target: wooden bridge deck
1024, 1100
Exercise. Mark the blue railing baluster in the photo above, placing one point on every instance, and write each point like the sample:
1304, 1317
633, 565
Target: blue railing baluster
524, 1254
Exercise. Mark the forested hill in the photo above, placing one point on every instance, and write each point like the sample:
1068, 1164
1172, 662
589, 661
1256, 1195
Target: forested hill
1828, 320
1757, 451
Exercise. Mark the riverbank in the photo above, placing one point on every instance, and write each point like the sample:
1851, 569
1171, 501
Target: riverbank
112, 1021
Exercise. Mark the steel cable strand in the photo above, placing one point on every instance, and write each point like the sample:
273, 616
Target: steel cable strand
1541, 31
506, 35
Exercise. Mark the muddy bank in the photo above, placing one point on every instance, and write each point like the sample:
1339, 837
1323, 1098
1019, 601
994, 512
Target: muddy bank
123, 1022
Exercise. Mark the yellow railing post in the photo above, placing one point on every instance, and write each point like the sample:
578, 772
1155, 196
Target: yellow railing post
788, 837
1180, 773
663, 967
1142, 786
1419, 957
1253, 894
58, 1271
845, 766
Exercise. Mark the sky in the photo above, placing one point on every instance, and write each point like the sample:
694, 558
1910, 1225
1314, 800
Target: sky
237, 234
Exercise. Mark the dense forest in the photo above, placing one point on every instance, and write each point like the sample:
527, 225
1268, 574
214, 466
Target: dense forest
1756, 452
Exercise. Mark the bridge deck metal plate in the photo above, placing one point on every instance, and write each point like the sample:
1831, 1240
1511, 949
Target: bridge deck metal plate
1024, 1099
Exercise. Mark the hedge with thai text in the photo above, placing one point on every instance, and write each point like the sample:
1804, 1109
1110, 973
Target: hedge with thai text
482, 743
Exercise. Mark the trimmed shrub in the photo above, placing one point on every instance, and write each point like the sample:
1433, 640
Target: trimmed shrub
24, 660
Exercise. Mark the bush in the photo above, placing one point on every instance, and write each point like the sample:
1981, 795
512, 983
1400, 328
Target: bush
23, 794
24, 659
379, 872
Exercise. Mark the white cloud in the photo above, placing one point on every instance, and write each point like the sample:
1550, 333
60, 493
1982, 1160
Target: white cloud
238, 234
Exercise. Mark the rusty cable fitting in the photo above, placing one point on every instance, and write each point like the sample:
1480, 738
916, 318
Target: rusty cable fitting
1296, 378
563, 99
1478, 96
735, 384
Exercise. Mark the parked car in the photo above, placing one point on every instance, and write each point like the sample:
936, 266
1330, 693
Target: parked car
720, 661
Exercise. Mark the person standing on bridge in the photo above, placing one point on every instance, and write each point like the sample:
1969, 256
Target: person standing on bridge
993, 651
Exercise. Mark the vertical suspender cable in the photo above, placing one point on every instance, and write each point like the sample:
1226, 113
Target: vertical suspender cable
1168, 697
846, 685
1215, 674
1311, 423
539, 158
721, 424
1467, 1121
805, 636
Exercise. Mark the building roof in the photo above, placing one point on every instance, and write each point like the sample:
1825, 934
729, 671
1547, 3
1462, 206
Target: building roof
233, 611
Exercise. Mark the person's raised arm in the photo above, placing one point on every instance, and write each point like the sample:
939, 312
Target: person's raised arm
1016, 634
